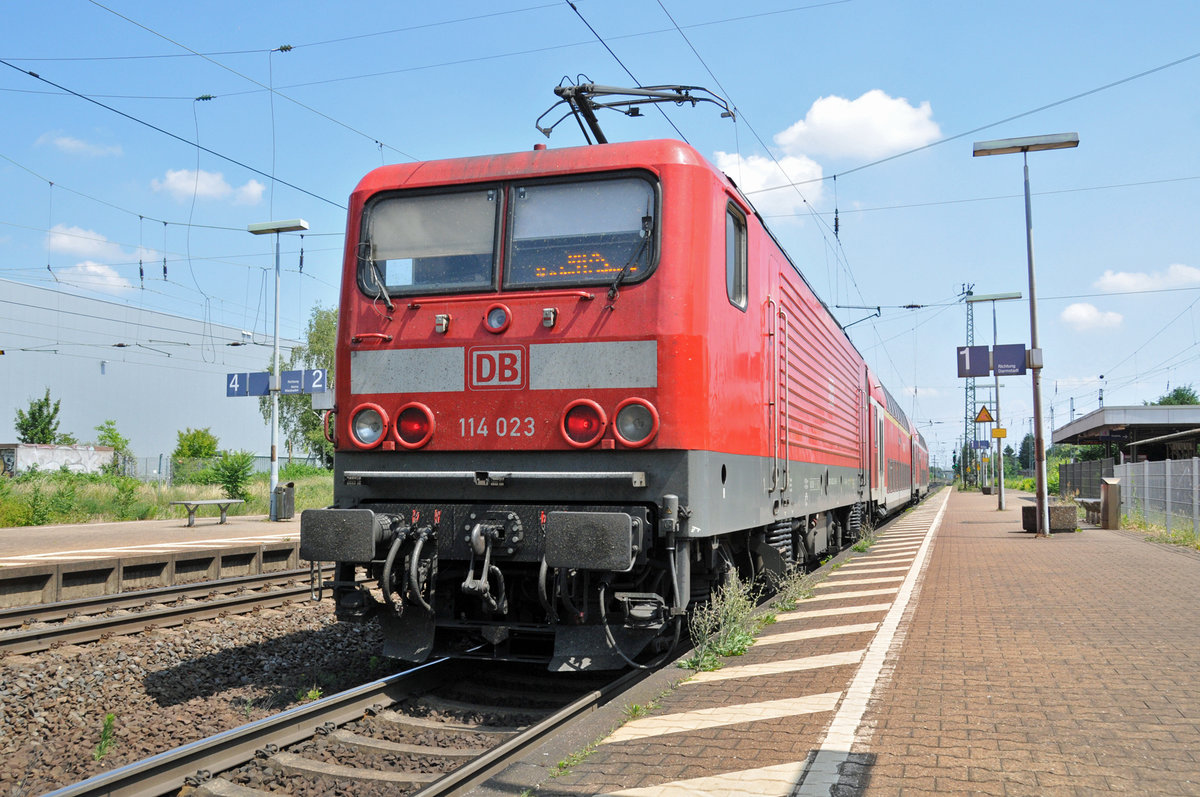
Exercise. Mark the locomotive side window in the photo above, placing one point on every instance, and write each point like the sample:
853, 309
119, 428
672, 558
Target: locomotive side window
579, 233
735, 257
430, 243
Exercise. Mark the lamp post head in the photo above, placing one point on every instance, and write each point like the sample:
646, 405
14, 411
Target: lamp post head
1005, 146
291, 225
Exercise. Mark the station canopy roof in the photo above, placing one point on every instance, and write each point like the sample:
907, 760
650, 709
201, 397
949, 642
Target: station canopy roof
1124, 426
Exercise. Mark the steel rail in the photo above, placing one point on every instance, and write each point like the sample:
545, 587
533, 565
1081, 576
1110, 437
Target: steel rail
39, 639
491, 763
16, 616
165, 772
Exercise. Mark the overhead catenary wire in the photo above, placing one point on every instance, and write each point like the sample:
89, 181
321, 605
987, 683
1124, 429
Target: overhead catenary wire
168, 133
268, 88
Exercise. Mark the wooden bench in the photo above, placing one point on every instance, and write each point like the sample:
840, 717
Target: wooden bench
192, 506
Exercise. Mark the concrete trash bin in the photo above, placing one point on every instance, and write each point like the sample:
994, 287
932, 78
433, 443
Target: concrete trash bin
1110, 503
1062, 517
285, 501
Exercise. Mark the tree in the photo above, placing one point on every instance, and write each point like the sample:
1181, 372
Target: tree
195, 444
299, 424
1025, 455
107, 435
1184, 394
39, 425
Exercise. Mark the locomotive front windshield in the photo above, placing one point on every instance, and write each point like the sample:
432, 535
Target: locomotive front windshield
580, 233
431, 243
583, 232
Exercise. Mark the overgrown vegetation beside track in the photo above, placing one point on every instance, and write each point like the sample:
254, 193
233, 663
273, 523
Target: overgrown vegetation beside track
40, 498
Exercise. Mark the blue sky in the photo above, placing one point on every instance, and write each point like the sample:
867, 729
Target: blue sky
889, 97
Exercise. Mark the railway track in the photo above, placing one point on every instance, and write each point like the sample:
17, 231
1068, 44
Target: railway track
435, 730
29, 629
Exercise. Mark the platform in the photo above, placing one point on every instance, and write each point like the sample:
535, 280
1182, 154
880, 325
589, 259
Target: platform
958, 655
47, 564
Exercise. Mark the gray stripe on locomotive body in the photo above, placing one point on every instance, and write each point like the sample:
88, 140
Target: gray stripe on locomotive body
740, 502
441, 370
575, 366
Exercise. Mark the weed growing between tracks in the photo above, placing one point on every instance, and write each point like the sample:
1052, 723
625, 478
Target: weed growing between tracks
107, 737
726, 625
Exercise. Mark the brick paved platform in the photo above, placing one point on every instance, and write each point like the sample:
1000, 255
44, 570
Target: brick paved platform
958, 655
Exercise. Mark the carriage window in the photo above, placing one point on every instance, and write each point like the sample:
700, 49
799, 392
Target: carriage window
587, 232
736, 276
432, 243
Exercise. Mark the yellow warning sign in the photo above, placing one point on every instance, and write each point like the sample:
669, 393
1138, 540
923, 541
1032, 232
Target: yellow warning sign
984, 416
999, 432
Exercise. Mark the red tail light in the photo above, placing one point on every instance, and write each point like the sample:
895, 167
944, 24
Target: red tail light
582, 423
414, 425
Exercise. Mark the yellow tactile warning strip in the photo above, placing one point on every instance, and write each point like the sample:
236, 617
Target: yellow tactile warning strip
816, 633
859, 593
776, 780
723, 715
897, 558
804, 614
777, 667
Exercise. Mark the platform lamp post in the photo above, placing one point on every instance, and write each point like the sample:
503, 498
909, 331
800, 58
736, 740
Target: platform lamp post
1025, 145
999, 460
291, 225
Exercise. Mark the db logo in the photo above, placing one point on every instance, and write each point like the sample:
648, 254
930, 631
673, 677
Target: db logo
496, 369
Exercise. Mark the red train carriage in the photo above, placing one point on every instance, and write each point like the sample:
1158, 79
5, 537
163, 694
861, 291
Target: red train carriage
575, 388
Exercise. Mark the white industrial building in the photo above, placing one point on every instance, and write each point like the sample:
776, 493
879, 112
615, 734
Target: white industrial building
154, 374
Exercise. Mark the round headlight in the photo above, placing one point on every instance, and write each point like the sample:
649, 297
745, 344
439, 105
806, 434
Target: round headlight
368, 426
636, 422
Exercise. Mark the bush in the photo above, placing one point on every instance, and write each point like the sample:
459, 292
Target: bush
233, 472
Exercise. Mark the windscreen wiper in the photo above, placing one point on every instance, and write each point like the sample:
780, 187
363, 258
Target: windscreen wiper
647, 225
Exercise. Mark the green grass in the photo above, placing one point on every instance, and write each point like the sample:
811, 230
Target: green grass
60, 497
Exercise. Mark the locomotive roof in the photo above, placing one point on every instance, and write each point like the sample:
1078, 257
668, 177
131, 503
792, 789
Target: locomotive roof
570, 160
535, 163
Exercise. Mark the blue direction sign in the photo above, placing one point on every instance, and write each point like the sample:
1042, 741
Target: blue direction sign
259, 383
1009, 359
312, 380
973, 361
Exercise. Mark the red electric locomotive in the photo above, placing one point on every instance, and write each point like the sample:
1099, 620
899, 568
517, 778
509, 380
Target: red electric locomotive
576, 387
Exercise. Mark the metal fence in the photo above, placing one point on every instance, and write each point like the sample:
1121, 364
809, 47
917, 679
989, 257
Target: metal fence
1163, 494
161, 469
1082, 479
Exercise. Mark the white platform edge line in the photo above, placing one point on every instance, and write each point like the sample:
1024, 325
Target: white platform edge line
843, 730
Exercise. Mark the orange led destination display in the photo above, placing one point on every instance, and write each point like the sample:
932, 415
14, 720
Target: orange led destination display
581, 265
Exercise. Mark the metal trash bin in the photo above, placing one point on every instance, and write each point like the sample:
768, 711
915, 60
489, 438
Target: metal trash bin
285, 501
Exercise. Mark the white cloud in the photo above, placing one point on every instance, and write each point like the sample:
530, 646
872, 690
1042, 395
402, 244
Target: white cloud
183, 184
1177, 275
81, 242
96, 277
872, 126
77, 146
250, 193
1083, 316
756, 172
